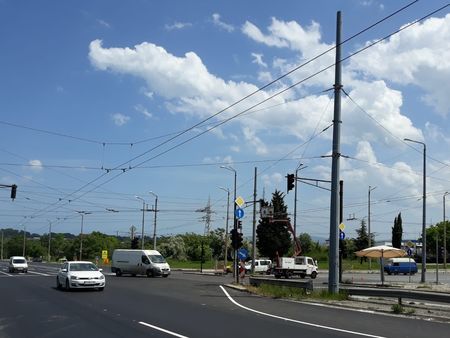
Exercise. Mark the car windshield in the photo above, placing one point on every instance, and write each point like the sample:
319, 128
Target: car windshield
19, 261
157, 259
83, 267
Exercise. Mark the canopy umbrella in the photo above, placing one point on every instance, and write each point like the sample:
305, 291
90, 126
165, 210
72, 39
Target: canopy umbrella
381, 251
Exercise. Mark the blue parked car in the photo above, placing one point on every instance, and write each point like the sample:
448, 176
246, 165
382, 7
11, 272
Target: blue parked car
400, 265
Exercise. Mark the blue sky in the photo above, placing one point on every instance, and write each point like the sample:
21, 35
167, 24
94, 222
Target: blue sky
93, 93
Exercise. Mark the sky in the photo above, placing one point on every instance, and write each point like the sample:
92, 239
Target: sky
107, 107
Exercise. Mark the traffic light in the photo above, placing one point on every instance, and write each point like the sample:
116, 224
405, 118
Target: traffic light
135, 243
240, 239
13, 191
234, 238
290, 182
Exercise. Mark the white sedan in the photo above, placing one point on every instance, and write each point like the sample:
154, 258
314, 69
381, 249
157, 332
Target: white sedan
80, 275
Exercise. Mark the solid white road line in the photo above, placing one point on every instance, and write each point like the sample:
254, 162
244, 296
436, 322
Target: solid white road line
298, 321
39, 273
163, 330
6, 273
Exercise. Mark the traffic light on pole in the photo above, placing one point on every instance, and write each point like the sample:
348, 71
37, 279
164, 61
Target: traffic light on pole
240, 240
234, 238
290, 182
13, 191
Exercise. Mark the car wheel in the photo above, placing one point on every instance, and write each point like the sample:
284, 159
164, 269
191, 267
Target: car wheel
67, 285
58, 284
118, 273
313, 275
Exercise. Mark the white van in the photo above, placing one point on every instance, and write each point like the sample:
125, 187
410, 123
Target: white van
139, 262
261, 266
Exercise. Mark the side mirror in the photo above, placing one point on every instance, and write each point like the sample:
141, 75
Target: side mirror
63, 270
100, 270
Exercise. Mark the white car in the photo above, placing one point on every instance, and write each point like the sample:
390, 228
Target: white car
80, 275
18, 263
261, 266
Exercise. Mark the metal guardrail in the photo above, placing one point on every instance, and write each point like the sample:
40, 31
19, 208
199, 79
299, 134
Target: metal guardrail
306, 284
400, 294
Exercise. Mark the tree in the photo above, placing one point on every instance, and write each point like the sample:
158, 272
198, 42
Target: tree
273, 236
174, 248
362, 240
306, 243
397, 232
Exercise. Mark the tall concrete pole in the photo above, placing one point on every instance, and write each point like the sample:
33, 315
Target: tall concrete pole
424, 210
154, 220
333, 268
49, 238
368, 224
254, 223
445, 233
226, 228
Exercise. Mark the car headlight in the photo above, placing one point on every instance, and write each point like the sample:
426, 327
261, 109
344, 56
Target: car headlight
101, 277
73, 277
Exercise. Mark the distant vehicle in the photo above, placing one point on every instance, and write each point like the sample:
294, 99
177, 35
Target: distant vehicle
62, 260
80, 275
139, 262
261, 266
296, 266
400, 265
18, 263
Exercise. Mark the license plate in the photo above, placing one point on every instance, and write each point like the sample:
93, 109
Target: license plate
89, 282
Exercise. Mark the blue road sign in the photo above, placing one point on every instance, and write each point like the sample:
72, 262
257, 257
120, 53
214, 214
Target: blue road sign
341, 235
239, 213
242, 254
409, 252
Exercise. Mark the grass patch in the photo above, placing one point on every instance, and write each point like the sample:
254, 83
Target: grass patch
275, 291
397, 309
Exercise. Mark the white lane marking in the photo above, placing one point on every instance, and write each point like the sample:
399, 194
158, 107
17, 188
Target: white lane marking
297, 321
39, 273
6, 273
163, 330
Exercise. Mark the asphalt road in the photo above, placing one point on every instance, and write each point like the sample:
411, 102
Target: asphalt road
182, 305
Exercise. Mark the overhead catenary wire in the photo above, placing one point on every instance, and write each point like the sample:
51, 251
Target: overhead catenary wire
200, 123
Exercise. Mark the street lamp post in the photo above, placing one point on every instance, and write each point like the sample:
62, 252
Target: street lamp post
154, 220
82, 213
236, 266
368, 225
295, 198
143, 221
424, 210
226, 227
445, 233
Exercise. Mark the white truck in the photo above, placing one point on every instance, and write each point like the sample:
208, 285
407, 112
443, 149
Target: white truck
139, 262
296, 266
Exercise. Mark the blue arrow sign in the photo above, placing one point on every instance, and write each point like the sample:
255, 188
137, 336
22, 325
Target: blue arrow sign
242, 254
239, 213
341, 235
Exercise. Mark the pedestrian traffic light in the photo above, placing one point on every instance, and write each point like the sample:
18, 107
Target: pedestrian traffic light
234, 238
13, 191
239, 224
290, 182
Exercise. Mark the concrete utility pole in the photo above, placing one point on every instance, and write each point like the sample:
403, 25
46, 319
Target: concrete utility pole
154, 220
295, 198
254, 223
368, 225
49, 238
226, 228
424, 210
82, 213
143, 220
445, 233
333, 276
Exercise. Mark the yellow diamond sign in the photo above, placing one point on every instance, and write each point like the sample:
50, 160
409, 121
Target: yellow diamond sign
239, 201
342, 226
